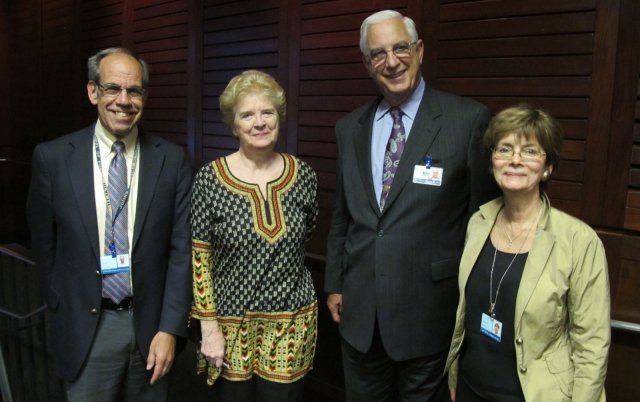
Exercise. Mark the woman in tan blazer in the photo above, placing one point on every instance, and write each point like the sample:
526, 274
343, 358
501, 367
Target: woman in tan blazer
533, 322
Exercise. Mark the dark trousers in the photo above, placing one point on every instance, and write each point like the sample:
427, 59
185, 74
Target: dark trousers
374, 376
465, 394
258, 389
115, 369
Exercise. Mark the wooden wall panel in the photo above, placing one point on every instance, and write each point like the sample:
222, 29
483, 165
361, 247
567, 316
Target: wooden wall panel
236, 36
535, 52
632, 208
159, 34
99, 25
58, 31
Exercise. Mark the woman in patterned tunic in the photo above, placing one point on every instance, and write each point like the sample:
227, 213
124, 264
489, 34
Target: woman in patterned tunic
252, 213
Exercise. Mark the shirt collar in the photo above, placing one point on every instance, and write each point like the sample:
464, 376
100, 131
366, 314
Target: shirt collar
409, 107
106, 139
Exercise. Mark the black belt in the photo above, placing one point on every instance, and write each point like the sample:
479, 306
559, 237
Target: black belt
125, 304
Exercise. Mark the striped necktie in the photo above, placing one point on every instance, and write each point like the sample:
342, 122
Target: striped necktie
116, 286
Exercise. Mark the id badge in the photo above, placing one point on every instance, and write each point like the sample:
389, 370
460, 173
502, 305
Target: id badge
431, 176
111, 265
491, 327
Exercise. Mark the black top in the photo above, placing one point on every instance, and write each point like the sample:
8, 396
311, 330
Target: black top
487, 366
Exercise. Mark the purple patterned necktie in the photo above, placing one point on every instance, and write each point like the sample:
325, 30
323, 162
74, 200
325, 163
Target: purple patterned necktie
392, 155
116, 286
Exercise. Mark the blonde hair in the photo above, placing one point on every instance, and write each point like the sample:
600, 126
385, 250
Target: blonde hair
248, 82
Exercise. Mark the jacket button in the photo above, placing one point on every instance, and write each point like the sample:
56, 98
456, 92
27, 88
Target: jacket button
94, 311
380, 233
519, 341
98, 274
523, 369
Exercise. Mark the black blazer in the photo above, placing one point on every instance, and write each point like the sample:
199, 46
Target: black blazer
399, 266
64, 235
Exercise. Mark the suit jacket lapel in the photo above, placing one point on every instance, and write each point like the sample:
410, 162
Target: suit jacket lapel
80, 167
424, 131
150, 166
362, 144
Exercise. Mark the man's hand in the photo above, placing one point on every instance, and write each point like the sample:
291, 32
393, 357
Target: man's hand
161, 354
334, 302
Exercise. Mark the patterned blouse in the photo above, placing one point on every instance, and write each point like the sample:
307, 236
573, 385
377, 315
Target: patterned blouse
249, 273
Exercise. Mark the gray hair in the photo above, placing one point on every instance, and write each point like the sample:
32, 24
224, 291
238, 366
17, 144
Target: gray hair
93, 64
383, 16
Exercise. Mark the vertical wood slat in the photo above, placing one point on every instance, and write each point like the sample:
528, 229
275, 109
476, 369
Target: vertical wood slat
289, 70
601, 99
618, 193
195, 79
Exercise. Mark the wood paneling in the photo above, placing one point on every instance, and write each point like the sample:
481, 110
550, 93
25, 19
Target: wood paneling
539, 53
159, 34
236, 36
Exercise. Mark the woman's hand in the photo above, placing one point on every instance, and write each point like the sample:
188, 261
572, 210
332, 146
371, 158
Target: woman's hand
212, 346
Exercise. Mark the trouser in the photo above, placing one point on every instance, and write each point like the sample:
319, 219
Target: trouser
115, 370
258, 389
374, 376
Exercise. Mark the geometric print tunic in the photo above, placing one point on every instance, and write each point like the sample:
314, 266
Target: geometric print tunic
249, 273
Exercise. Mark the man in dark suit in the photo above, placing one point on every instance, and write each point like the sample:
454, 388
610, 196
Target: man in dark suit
411, 172
108, 210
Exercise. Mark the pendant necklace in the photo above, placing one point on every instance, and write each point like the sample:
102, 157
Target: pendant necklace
504, 230
492, 300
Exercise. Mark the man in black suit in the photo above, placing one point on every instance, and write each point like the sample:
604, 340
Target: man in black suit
108, 210
394, 245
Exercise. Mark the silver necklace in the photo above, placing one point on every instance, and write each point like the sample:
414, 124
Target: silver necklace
493, 301
504, 230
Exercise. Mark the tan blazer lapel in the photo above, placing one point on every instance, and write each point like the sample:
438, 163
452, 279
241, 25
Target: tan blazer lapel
533, 268
476, 238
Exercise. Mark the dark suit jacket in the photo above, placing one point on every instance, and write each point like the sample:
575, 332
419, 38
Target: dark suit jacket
64, 234
400, 266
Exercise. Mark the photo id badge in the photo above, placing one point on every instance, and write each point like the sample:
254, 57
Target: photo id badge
431, 176
491, 327
111, 265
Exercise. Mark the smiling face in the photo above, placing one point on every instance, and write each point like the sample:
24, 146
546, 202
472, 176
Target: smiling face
396, 77
255, 122
515, 175
118, 114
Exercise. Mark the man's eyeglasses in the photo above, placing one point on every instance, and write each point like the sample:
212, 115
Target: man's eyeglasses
401, 50
112, 91
527, 154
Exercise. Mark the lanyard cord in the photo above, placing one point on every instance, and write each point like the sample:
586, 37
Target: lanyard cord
493, 301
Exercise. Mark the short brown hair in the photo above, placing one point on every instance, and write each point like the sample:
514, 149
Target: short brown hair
525, 120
